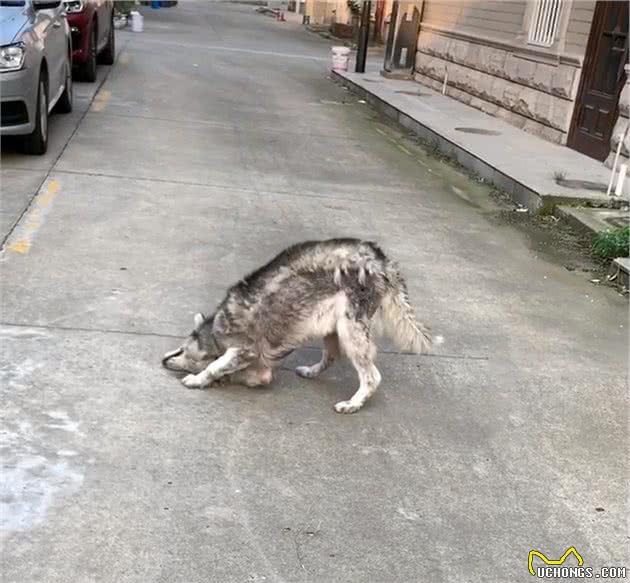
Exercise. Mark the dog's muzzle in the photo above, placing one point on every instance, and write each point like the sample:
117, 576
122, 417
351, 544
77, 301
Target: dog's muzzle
170, 355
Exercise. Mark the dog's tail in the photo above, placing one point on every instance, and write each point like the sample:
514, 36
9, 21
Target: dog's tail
398, 319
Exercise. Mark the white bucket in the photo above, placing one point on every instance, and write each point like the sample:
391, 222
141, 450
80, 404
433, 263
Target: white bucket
137, 22
340, 58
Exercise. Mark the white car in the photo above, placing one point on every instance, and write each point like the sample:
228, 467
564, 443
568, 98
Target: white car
35, 69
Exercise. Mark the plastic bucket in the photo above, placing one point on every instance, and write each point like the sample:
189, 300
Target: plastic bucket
137, 22
340, 58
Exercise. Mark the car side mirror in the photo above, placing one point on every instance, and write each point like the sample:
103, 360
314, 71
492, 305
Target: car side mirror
45, 4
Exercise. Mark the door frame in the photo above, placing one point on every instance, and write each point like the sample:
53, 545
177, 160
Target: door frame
588, 69
391, 42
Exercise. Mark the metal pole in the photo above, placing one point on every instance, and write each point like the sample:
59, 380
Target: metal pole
364, 35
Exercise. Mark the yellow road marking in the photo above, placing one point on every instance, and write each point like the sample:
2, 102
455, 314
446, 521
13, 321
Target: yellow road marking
20, 246
101, 100
21, 239
49, 194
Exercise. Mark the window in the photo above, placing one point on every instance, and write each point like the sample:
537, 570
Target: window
544, 25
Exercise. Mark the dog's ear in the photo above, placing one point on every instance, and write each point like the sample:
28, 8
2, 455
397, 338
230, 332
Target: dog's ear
198, 320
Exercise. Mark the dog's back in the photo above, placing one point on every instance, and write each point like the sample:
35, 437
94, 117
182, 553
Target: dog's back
307, 288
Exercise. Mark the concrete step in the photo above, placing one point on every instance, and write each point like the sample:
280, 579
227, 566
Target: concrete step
589, 220
619, 271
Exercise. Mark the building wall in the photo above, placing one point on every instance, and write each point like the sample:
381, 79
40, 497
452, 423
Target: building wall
319, 12
499, 20
326, 12
579, 27
482, 47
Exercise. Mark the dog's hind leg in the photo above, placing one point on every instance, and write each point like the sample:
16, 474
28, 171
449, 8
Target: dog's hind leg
234, 359
356, 343
329, 354
255, 375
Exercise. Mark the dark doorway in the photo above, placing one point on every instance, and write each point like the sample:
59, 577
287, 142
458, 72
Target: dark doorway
603, 76
402, 38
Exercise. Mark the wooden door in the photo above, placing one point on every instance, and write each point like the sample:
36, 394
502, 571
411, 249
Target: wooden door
603, 77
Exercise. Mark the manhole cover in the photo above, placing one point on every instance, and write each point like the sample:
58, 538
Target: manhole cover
581, 184
417, 93
480, 131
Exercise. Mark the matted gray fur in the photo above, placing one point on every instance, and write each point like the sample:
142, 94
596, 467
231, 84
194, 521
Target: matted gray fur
345, 291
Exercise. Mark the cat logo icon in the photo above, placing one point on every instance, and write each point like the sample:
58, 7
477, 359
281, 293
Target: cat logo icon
569, 551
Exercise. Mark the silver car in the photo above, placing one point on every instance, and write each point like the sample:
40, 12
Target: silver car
35, 69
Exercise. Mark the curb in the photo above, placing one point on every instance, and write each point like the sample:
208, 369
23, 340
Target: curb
620, 272
520, 193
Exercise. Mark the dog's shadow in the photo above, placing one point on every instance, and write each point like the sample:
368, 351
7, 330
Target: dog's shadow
336, 383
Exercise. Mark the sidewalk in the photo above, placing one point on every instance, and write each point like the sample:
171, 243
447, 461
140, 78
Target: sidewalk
535, 173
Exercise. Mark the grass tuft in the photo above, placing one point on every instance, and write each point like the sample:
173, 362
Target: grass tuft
612, 243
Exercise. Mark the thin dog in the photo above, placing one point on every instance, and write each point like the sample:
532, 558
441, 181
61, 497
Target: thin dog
346, 291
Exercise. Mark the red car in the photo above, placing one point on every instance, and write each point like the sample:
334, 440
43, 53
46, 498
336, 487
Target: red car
92, 27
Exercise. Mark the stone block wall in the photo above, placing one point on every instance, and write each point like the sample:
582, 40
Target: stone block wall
532, 92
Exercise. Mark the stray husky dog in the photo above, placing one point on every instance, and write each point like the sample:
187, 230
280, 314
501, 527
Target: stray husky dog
342, 290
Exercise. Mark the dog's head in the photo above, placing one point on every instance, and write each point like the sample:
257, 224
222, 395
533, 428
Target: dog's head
198, 350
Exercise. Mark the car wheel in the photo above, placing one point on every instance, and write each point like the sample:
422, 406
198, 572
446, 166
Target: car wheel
64, 105
37, 142
108, 54
88, 69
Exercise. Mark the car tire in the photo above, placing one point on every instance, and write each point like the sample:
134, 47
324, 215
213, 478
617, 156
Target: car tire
108, 54
64, 105
88, 69
36, 143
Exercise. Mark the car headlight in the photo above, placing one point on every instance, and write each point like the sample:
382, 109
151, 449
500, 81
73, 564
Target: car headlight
73, 6
11, 57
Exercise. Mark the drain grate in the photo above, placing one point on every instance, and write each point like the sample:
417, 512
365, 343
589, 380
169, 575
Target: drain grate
479, 131
582, 184
416, 93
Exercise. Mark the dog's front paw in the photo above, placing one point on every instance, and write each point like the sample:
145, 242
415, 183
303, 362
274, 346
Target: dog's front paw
347, 407
195, 381
306, 372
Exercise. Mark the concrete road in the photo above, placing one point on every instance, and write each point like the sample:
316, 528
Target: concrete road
216, 140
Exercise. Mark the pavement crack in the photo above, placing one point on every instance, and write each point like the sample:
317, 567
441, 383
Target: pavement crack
180, 336
224, 126
333, 197
256, 52
86, 329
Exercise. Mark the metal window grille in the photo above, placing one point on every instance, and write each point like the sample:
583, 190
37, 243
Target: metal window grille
544, 25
